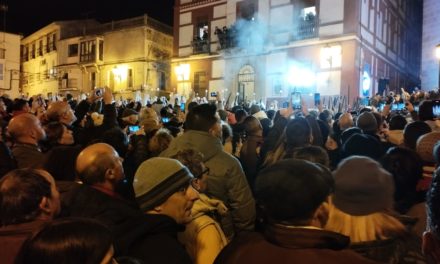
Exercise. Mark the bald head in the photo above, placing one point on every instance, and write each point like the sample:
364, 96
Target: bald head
99, 163
26, 128
61, 112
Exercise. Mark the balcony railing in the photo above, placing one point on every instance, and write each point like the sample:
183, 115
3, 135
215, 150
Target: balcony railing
201, 46
306, 29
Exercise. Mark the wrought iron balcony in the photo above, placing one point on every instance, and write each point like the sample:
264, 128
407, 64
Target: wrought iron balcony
201, 46
306, 28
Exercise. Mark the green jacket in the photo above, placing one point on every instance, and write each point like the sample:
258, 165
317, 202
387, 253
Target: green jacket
226, 179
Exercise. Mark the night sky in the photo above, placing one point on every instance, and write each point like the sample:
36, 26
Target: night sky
27, 16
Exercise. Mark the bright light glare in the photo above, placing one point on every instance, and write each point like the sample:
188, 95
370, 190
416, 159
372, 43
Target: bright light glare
437, 51
298, 76
182, 72
120, 72
366, 83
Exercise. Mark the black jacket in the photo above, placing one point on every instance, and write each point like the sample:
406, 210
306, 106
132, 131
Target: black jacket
153, 239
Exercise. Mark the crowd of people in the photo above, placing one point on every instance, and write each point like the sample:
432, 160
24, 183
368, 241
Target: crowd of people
98, 181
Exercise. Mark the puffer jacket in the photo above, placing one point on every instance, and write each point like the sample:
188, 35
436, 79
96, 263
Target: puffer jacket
226, 180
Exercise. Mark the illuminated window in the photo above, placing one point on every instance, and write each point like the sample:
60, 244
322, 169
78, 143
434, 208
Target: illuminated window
331, 57
308, 13
182, 72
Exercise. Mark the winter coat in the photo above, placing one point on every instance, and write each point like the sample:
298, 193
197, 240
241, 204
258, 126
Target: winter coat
288, 244
12, 238
226, 180
203, 237
153, 239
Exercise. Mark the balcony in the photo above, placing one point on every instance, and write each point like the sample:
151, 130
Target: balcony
68, 84
306, 28
201, 46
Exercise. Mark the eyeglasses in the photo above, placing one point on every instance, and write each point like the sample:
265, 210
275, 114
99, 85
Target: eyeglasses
205, 171
191, 184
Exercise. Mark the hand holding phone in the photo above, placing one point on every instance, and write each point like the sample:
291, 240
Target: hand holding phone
317, 99
133, 129
296, 100
98, 92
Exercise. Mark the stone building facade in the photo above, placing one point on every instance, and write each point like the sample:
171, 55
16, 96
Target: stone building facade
333, 47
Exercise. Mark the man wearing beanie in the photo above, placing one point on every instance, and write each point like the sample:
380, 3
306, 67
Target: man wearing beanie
164, 193
292, 195
226, 179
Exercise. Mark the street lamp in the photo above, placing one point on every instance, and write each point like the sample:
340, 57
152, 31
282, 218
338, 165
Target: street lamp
437, 54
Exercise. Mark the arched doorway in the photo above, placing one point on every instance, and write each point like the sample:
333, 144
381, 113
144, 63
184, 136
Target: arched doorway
246, 84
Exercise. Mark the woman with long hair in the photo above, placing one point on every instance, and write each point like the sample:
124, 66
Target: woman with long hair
296, 134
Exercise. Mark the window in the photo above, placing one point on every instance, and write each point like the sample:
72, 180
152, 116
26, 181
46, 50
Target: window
33, 51
54, 38
247, 9
277, 84
101, 50
2, 54
200, 83
93, 79
40, 48
73, 50
48, 43
162, 81
308, 13
53, 73
203, 30
1, 71
331, 57
130, 78
26, 53
87, 51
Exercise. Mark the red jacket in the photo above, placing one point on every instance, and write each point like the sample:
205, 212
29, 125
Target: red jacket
13, 236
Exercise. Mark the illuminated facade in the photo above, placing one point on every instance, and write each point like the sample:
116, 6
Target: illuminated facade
258, 49
431, 38
127, 56
9, 64
41, 57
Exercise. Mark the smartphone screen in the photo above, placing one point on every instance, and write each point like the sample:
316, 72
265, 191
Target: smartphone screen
98, 92
182, 107
436, 108
165, 120
213, 94
133, 129
317, 99
296, 100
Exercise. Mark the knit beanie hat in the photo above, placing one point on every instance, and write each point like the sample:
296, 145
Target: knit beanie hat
367, 122
157, 179
425, 146
362, 187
